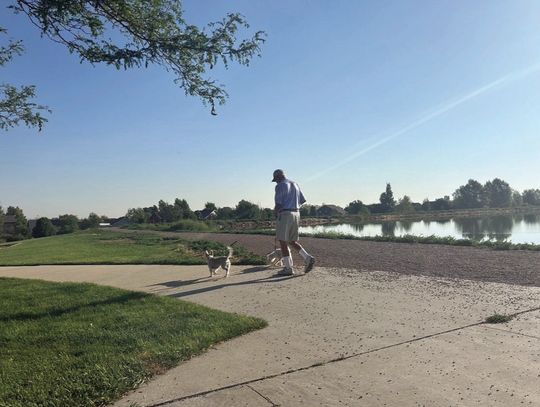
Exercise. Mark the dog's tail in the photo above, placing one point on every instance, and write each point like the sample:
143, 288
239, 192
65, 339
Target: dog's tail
230, 252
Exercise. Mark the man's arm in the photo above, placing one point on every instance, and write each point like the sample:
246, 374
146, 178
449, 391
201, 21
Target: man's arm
301, 198
278, 199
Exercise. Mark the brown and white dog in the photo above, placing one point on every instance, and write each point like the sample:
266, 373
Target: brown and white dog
214, 263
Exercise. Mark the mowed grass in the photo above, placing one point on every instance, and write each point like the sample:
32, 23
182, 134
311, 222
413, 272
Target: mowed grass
66, 344
105, 247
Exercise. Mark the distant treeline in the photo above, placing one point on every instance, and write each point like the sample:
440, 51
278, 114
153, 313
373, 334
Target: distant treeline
165, 212
15, 226
473, 195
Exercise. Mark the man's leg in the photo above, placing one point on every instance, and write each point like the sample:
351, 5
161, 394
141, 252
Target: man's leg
284, 248
286, 258
283, 226
309, 260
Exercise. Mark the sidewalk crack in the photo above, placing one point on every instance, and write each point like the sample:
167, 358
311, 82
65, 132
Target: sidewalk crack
324, 363
263, 396
512, 332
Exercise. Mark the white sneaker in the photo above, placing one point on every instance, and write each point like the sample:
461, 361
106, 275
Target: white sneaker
286, 271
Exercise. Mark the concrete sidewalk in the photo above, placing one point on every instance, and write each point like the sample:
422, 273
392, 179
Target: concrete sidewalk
341, 337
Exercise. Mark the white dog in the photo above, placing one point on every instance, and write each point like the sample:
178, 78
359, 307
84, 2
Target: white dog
214, 263
274, 258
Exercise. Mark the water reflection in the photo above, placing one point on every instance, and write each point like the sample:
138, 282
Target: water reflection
358, 227
531, 218
516, 228
497, 227
388, 228
470, 228
406, 225
443, 221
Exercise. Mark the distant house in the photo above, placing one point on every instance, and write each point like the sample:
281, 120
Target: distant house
330, 210
417, 206
123, 221
206, 214
31, 225
10, 224
155, 218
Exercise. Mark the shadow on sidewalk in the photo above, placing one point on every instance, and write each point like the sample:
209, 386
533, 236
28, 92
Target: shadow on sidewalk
254, 269
181, 283
270, 279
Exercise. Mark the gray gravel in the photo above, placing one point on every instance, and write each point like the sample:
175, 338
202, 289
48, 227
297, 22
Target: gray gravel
511, 267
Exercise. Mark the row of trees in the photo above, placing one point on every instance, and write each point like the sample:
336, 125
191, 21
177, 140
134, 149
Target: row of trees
473, 195
162, 212
165, 212
387, 203
493, 194
20, 228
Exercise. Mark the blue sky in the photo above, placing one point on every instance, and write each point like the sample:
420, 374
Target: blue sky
348, 95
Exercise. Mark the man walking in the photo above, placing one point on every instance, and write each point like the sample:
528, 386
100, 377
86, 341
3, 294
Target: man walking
288, 201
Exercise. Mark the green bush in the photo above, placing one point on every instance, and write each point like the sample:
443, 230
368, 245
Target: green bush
498, 319
43, 228
190, 225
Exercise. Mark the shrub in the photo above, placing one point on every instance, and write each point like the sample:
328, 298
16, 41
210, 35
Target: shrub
498, 319
189, 225
43, 228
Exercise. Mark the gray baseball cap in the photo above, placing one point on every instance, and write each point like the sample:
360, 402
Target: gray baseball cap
278, 174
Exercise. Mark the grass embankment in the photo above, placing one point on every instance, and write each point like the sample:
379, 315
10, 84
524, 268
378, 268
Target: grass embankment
65, 344
104, 247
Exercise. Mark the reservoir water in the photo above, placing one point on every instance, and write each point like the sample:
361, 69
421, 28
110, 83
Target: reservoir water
517, 228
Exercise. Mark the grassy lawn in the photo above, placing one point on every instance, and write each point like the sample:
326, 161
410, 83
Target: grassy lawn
105, 247
65, 344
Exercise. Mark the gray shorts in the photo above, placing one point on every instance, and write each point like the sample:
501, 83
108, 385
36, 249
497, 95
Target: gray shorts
287, 226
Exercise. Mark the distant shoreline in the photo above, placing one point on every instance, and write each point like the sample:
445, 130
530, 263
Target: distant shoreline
246, 225
453, 213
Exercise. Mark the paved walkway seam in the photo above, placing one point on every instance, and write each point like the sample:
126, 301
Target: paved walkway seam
508, 331
515, 314
263, 396
335, 360
318, 364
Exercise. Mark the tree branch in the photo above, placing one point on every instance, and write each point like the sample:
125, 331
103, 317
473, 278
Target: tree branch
155, 33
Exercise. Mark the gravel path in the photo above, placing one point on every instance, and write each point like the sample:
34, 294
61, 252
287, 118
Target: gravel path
509, 266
